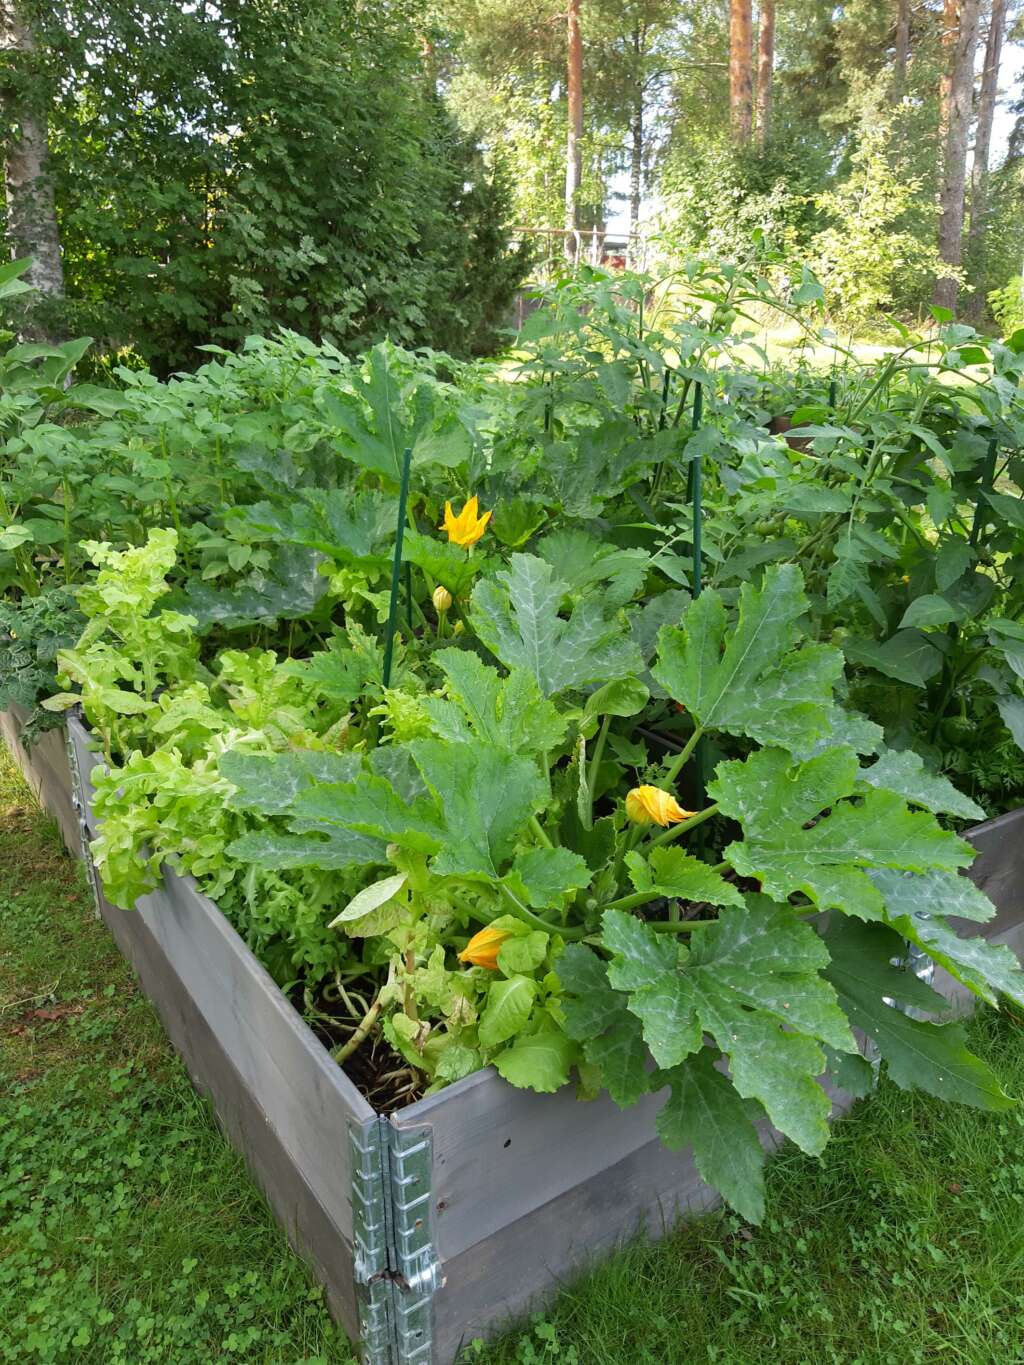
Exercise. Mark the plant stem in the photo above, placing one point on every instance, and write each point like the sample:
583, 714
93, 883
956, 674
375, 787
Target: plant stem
540, 832
360, 1035
684, 826
595, 762
535, 922
674, 768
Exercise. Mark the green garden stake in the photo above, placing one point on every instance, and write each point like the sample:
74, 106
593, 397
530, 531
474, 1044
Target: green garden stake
396, 567
832, 393
696, 492
696, 501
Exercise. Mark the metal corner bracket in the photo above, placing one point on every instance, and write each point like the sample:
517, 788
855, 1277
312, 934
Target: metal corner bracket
78, 802
397, 1269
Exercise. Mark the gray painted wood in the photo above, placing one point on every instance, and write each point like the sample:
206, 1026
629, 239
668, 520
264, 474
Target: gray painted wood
307, 1099
45, 768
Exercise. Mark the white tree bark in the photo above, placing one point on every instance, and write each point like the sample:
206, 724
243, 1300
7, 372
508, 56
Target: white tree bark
31, 218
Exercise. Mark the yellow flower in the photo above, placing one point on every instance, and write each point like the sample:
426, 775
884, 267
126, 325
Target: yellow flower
466, 528
644, 804
482, 948
442, 600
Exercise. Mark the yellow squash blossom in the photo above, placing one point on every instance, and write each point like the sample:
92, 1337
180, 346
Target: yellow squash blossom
466, 528
442, 600
644, 804
482, 948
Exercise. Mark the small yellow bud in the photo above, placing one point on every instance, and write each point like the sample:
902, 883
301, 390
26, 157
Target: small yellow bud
458, 628
442, 600
482, 948
644, 804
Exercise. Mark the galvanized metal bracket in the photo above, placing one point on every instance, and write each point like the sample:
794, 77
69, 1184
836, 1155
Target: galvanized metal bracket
417, 1270
78, 802
396, 1268
371, 1242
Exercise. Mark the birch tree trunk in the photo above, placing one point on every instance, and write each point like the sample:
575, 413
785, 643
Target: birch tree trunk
765, 69
31, 219
574, 141
740, 76
959, 39
976, 236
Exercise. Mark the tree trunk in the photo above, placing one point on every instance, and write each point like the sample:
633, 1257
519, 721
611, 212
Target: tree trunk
31, 219
959, 40
982, 151
765, 68
902, 57
636, 157
574, 141
741, 90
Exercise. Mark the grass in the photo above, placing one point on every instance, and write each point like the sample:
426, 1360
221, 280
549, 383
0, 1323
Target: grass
130, 1233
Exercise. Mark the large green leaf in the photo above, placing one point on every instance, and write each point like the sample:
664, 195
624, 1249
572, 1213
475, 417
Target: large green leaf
508, 712
916, 906
545, 876
509, 1003
392, 412
485, 795
753, 680
538, 1061
775, 798
704, 1112
598, 1017
350, 526
905, 774
584, 564
671, 872
269, 783
518, 620
752, 982
918, 1054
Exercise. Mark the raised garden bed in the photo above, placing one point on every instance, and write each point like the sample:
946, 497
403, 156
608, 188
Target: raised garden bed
435, 1224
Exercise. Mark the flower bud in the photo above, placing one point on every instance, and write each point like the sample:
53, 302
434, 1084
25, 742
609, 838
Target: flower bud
482, 948
647, 804
442, 600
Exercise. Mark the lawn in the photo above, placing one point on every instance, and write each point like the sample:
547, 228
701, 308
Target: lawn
131, 1233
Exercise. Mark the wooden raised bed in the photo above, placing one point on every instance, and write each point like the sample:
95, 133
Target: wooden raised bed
434, 1225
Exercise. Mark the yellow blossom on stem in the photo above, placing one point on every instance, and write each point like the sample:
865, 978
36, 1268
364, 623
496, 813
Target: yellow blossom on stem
466, 528
482, 948
442, 600
647, 804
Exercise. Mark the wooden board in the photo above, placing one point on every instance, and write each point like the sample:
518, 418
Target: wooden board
45, 768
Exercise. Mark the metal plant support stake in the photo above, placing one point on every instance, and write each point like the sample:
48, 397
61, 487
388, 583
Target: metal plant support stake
396, 567
697, 503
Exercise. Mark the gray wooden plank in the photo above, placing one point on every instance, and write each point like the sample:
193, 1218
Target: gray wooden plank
306, 1097
310, 1229
529, 1258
